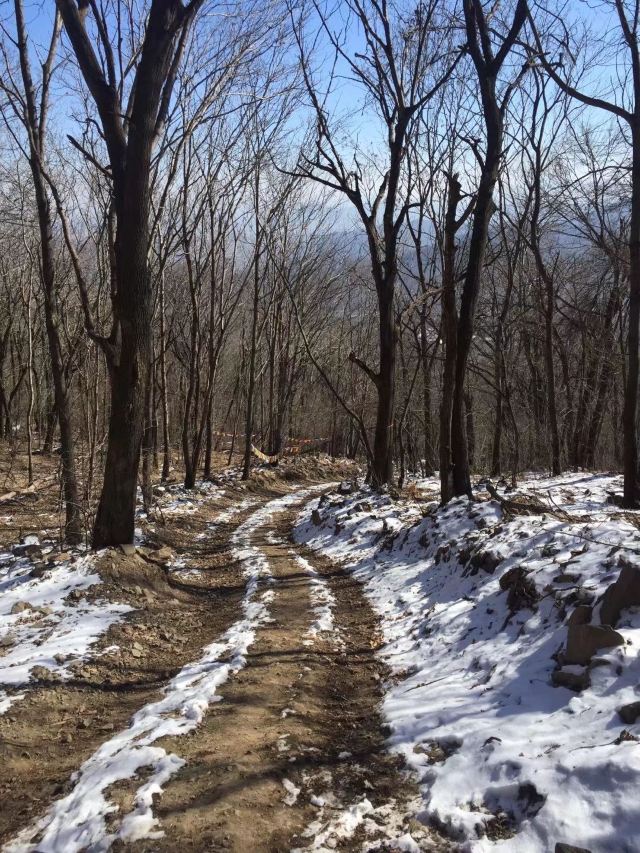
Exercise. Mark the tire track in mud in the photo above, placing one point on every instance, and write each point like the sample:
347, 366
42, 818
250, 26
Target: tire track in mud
58, 725
293, 756
291, 753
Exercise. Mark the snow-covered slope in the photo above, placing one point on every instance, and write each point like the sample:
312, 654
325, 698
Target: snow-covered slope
41, 626
475, 604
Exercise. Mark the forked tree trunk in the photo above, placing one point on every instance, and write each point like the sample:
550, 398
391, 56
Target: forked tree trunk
128, 349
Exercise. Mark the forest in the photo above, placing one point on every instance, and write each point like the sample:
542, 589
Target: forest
319, 369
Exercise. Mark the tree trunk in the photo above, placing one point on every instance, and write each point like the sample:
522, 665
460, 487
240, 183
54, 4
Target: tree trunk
382, 468
630, 409
449, 334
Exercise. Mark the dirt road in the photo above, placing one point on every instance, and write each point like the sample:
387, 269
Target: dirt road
289, 752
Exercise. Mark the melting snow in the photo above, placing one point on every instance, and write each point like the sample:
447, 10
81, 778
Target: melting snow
39, 627
505, 760
77, 821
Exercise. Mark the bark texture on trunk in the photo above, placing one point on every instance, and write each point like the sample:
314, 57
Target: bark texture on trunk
129, 146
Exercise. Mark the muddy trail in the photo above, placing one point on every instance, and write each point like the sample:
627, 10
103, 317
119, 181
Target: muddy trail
241, 696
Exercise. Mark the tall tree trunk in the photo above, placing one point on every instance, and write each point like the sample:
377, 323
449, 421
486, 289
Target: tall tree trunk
166, 435
251, 379
630, 410
382, 468
449, 335
36, 127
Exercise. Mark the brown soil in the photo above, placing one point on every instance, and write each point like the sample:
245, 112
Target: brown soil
292, 713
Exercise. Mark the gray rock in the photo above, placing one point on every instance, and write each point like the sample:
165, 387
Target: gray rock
522, 590
572, 680
316, 517
21, 607
625, 592
583, 641
40, 569
581, 615
485, 560
629, 713
41, 673
569, 848
567, 577
128, 549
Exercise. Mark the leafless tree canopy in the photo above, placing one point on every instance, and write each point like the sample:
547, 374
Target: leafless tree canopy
406, 233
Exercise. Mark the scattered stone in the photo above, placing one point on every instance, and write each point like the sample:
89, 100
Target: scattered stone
567, 577
40, 569
625, 592
347, 487
21, 607
485, 560
437, 751
128, 549
581, 615
626, 736
583, 641
316, 517
62, 557
41, 673
522, 590
573, 677
6, 641
629, 713
569, 848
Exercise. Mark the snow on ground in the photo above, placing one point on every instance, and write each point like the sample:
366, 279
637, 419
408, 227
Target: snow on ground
40, 625
176, 500
506, 760
323, 603
77, 821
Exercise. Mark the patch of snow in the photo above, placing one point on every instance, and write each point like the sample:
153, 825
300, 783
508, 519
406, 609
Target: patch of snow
39, 626
293, 792
323, 602
326, 834
77, 821
471, 707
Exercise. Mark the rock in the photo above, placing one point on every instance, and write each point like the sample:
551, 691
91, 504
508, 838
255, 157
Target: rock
583, 641
629, 713
63, 557
40, 569
347, 487
41, 673
581, 615
6, 641
572, 677
522, 590
567, 577
485, 560
561, 847
33, 551
128, 549
21, 607
316, 517
625, 592
19, 550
